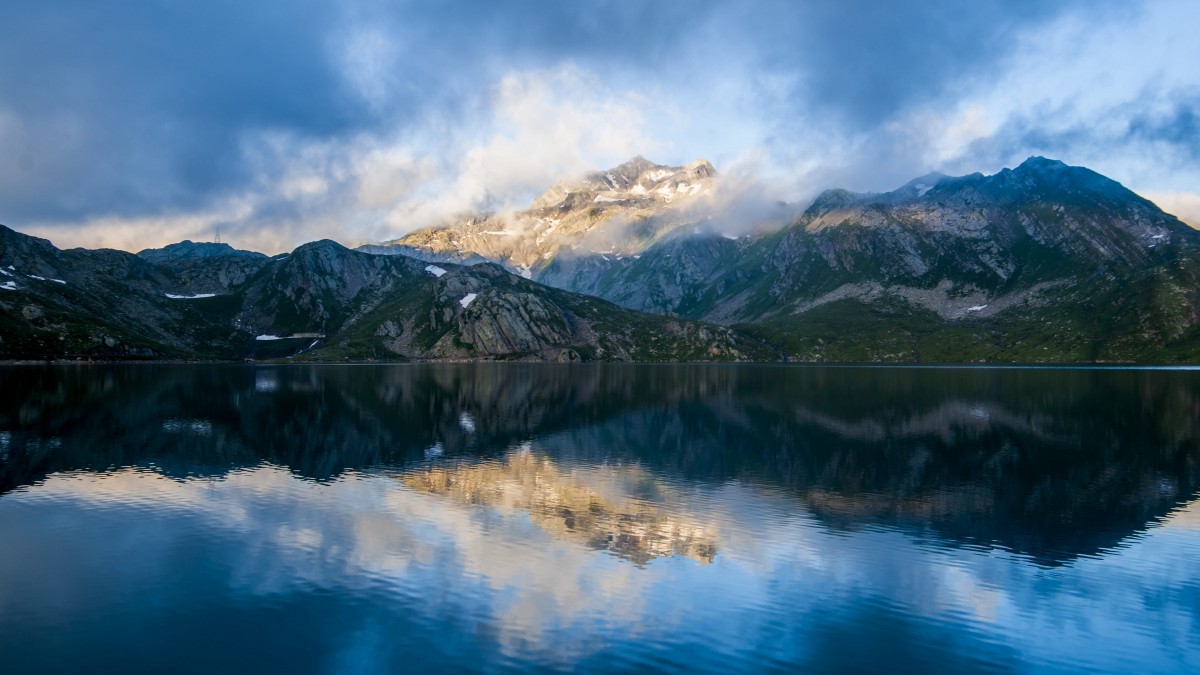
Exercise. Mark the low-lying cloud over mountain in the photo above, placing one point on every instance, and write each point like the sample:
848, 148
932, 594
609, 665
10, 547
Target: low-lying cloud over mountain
283, 122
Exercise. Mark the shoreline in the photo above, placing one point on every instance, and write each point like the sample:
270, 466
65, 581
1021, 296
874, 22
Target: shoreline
1057, 365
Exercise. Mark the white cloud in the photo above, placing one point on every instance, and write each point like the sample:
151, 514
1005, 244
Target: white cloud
1068, 89
369, 59
541, 127
1073, 88
533, 129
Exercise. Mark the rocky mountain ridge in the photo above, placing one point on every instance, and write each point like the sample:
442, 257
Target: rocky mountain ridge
322, 301
613, 213
1044, 261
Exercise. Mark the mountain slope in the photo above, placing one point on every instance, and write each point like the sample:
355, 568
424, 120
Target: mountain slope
615, 213
1043, 262
321, 301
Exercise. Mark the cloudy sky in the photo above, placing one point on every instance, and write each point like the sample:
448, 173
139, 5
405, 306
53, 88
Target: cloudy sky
283, 121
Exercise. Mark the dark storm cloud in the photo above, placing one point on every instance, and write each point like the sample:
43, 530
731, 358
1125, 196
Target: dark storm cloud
862, 60
1178, 127
137, 108
120, 107
1161, 127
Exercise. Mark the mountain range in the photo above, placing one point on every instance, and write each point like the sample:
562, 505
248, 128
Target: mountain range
1044, 262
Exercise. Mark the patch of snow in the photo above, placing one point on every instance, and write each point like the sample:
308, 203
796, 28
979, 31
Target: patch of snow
977, 308
922, 189
734, 237
637, 189
12, 268
547, 255
435, 450
1158, 236
467, 422
500, 233
658, 174
264, 338
6, 273
9, 286
637, 257
606, 200
435, 270
190, 297
467, 299
524, 271
57, 281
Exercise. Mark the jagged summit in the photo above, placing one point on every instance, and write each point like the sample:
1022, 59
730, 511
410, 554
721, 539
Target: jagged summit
593, 213
1037, 178
623, 175
637, 179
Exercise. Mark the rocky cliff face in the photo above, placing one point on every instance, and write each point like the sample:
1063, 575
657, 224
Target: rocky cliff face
614, 213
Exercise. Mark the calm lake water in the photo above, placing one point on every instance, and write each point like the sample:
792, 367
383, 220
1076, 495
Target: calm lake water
344, 519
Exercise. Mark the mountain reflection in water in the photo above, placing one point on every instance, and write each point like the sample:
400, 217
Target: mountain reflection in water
570, 507
1053, 464
603, 517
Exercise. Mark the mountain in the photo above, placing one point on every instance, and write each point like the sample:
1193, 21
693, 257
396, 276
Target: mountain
1044, 262
611, 213
321, 301
1041, 263
206, 267
190, 250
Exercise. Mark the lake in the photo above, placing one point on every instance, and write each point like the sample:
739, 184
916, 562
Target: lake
598, 518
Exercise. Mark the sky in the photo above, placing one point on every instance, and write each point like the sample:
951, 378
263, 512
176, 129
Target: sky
137, 124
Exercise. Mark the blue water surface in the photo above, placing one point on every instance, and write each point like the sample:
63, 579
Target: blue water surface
598, 518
